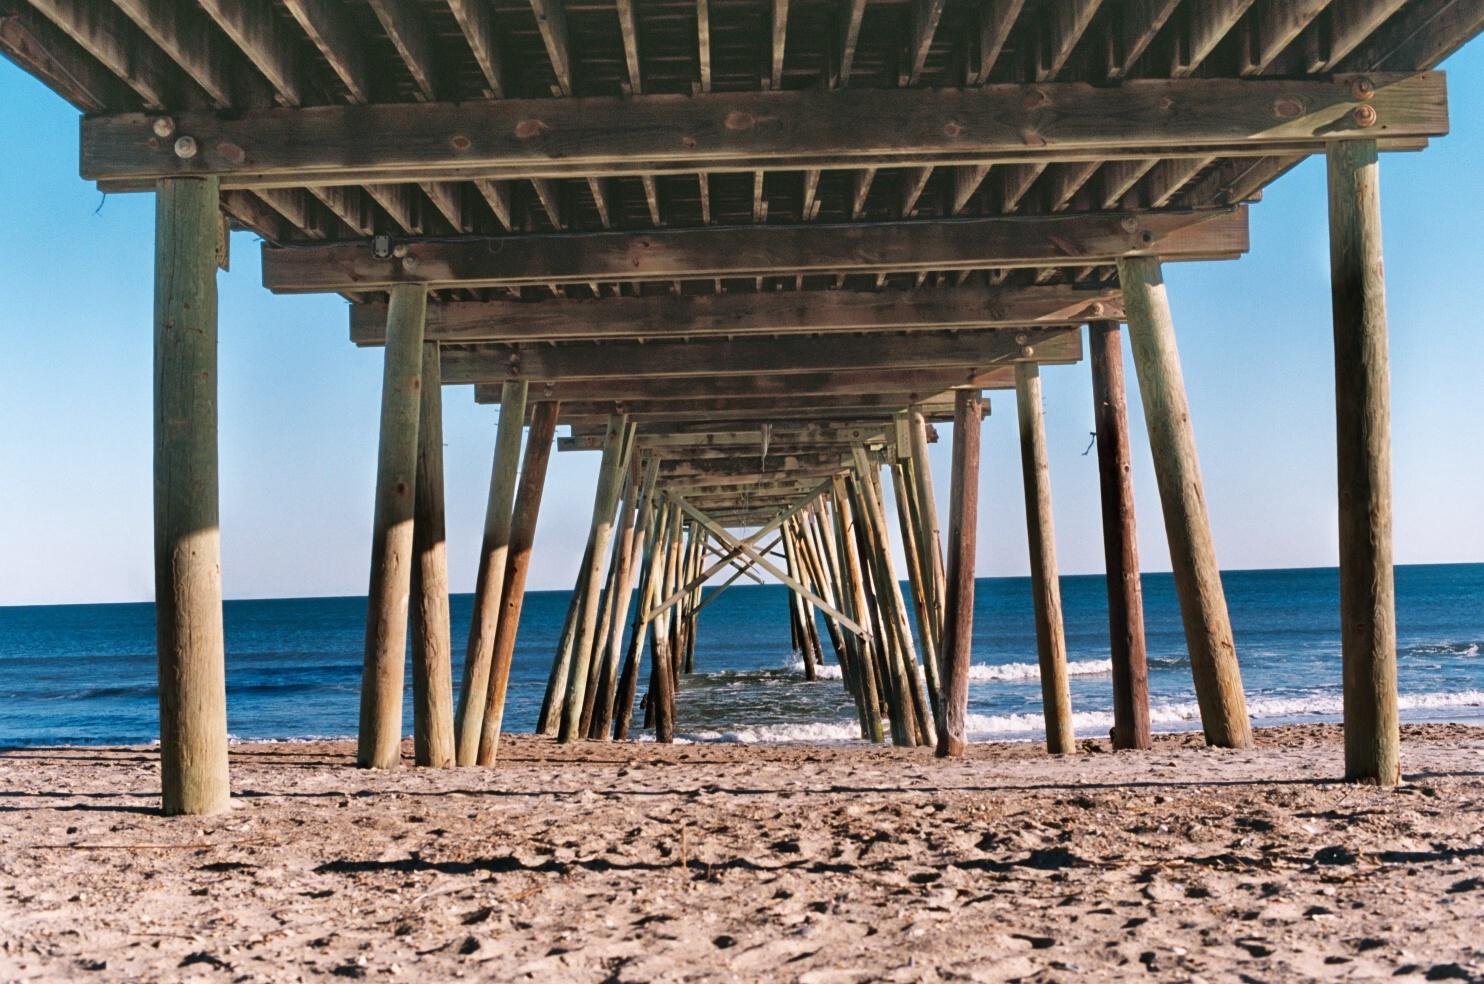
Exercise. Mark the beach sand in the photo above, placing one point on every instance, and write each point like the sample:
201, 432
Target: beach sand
635, 862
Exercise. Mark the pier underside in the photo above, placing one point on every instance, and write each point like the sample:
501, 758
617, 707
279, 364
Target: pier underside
752, 253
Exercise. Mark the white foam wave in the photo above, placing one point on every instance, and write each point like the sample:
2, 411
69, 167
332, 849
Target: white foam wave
990, 672
1175, 716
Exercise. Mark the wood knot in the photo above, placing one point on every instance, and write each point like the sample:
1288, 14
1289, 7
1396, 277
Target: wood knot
689, 143
953, 128
1165, 104
230, 152
401, 488
1032, 139
739, 120
460, 142
1287, 108
1035, 99
526, 129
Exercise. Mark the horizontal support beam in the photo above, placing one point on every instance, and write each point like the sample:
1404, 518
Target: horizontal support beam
927, 383
1065, 239
729, 441
794, 130
732, 410
693, 315
979, 350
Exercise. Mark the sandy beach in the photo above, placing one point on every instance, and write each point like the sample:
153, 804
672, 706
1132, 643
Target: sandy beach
636, 862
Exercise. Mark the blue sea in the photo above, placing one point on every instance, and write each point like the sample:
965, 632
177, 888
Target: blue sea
85, 674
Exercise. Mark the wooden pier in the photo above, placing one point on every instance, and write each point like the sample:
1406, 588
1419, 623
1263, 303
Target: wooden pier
752, 253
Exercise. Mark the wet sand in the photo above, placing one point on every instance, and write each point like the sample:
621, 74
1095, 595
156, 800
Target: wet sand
729, 862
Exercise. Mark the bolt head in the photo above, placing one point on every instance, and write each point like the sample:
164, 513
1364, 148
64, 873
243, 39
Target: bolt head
185, 148
1364, 116
163, 127
409, 263
1363, 89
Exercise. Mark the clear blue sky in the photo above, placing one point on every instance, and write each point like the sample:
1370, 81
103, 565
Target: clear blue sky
299, 402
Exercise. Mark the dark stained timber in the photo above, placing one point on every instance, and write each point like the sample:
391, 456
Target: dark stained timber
744, 131
742, 314
715, 251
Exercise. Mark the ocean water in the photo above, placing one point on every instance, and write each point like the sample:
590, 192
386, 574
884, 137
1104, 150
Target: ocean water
85, 674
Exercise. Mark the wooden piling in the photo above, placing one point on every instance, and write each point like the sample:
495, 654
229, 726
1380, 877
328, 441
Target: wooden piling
931, 540
605, 500
1363, 446
917, 583
550, 715
958, 597
517, 566
662, 674
635, 535
1120, 541
380, 742
799, 607
489, 583
1208, 632
657, 517
188, 589
432, 662
853, 591
1051, 641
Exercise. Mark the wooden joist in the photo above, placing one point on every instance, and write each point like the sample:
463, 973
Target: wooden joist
977, 349
996, 19
44, 50
255, 29
476, 22
404, 26
711, 251
773, 130
699, 315
330, 29
551, 19
1068, 21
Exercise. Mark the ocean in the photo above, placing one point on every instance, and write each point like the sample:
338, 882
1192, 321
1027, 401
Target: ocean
85, 674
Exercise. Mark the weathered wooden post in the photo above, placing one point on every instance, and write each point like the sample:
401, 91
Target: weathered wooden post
634, 534
662, 675
432, 662
1208, 632
649, 595
380, 742
188, 579
1120, 542
932, 535
517, 565
800, 608
1051, 640
1363, 446
489, 583
605, 500
853, 592
916, 581
958, 598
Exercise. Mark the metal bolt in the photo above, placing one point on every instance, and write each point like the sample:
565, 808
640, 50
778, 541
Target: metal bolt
1022, 339
1364, 116
185, 148
1363, 89
1129, 223
399, 250
163, 126
1026, 351
409, 263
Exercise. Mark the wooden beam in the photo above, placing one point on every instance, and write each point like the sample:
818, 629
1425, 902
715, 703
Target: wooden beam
913, 183
192, 42
255, 29
850, 31
828, 383
67, 68
1350, 23
805, 128
694, 315
628, 26
734, 409
779, 42
404, 26
329, 27
485, 362
551, 20
1277, 28
551, 201
924, 25
432, 651
958, 600
996, 19
652, 198
497, 195
703, 43
476, 21
1136, 29
1068, 21
711, 251
101, 31
1207, 23
966, 181
1421, 35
